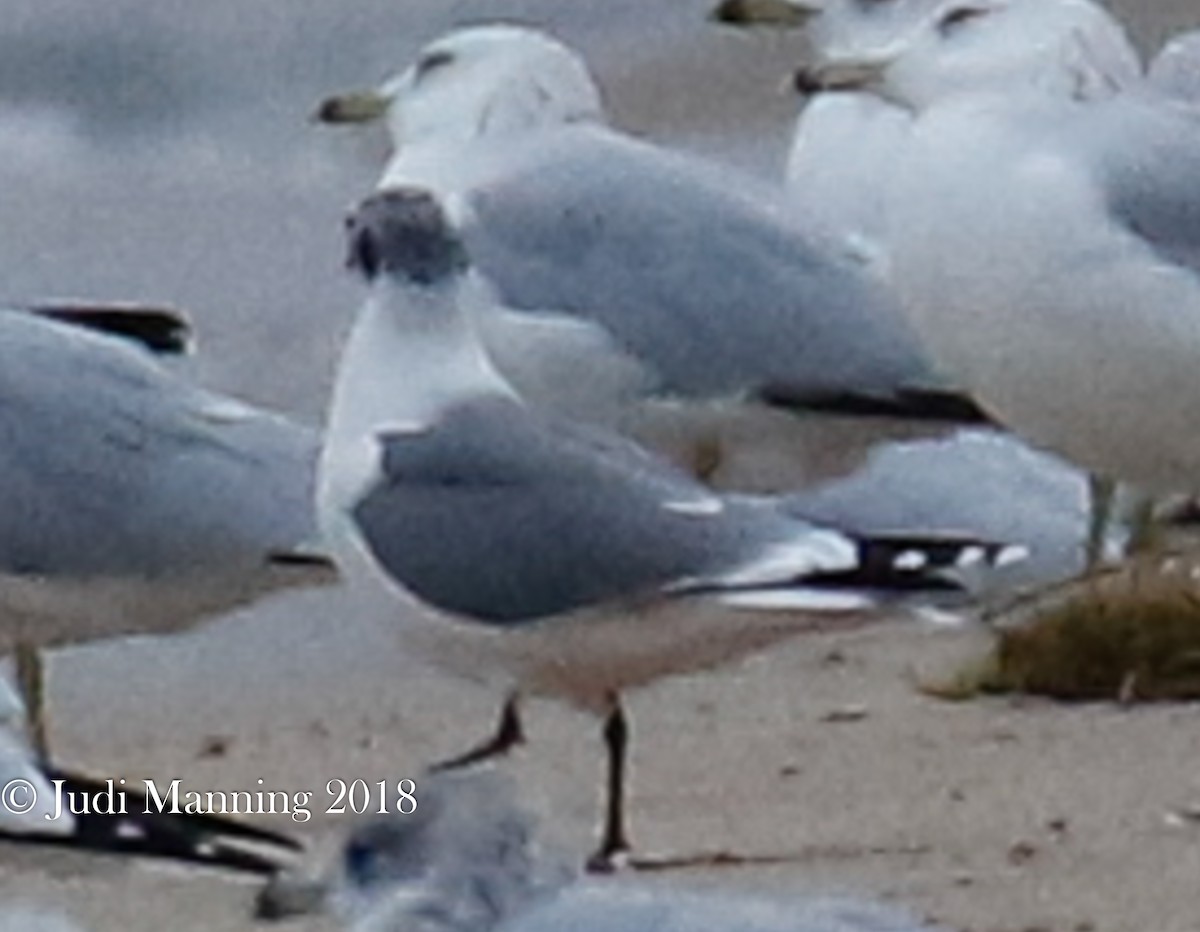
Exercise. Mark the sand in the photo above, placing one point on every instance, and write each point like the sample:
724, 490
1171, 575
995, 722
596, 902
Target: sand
993, 816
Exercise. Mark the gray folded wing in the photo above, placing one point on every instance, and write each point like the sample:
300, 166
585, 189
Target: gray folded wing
159, 329
716, 293
1145, 155
494, 514
110, 465
987, 484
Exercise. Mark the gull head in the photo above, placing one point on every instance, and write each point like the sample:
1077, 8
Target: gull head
917, 53
478, 81
1176, 69
403, 233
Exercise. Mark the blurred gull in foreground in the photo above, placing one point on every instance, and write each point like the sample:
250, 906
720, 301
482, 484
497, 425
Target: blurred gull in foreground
131, 501
554, 559
1073, 305
646, 289
468, 861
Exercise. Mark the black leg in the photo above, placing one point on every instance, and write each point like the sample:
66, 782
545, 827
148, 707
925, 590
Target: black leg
509, 734
614, 841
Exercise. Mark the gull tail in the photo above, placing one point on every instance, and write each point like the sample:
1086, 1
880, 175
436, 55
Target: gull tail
211, 841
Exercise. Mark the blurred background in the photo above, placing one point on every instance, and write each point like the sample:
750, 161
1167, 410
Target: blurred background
161, 149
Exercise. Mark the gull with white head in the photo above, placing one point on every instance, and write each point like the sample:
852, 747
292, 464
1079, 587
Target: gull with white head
549, 558
641, 288
1045, 243
1175, 70
845, 144
848, 139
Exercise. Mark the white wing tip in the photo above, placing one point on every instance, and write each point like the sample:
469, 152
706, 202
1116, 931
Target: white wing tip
798, 599
696, 507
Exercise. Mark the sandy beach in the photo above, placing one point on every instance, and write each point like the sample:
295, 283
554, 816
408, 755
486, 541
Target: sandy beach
994, 816
822, 757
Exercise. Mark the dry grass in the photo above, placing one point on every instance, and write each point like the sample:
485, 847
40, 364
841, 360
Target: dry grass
1131, 635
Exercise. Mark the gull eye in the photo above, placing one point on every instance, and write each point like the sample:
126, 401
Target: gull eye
432, 61
958, 17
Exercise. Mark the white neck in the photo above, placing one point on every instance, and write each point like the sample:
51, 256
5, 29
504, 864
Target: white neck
435, 165
411, 354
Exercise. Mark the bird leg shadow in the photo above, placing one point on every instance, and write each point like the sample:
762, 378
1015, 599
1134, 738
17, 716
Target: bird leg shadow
509, 733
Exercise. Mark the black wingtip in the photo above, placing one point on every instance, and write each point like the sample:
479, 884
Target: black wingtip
933, 405
301, 559
919, 562
195, 839
161, 330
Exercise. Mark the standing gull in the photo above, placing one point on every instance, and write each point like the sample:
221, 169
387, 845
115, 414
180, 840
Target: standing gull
552, 559
843, 150
1073, 305
131, 501
848, 140
642, 288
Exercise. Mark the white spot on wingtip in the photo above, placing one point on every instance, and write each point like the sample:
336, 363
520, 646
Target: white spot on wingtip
227, 411
971, 556
405, 428
1013, 553
798, 599
940, 617
697, 507
911, 560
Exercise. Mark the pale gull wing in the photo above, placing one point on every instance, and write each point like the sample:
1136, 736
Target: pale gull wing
132, 501
712, 291
989, 484
1073, 307
112, 465
494, 514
